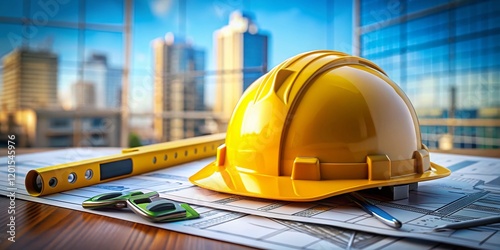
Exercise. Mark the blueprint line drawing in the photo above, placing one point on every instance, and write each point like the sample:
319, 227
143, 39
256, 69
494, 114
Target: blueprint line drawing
472, 191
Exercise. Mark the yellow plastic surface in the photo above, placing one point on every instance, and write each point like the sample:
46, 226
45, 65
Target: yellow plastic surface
321, 123
144, 159
306, 168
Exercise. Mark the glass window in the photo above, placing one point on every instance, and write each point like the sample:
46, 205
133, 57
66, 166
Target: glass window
106, 12
428, 29
97, 139
12, 39
58, 123
41, 12
108, 45
97, 122
293, 27
14, 9
67, 77
61, 41
60, 141
414, 6
378, 11
149, 14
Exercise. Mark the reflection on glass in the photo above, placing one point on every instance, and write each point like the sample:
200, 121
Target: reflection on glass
14, 9
105, 12
427, 47
445, 65
42, 12
13, 37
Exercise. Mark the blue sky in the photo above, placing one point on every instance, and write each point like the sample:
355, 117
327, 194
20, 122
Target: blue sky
294, 26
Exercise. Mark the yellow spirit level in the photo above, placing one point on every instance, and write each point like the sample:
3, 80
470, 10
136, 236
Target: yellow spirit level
130, 162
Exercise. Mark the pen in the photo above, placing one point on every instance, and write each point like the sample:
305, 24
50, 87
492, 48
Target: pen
469, 223
375, 211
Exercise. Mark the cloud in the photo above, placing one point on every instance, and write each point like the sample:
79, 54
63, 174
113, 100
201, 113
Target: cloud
160, 8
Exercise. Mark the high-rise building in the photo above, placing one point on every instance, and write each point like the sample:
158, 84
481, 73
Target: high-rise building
62, 128
29, 80
241, 54
444, 55
178, 88
106, 79
83, 95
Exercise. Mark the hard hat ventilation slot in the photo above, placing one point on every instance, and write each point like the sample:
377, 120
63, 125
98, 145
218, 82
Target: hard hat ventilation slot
306, 168
281, 77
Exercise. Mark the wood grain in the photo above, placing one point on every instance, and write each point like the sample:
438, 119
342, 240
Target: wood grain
40, 226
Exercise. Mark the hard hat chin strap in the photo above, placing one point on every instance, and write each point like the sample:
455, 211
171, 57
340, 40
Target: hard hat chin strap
377, 167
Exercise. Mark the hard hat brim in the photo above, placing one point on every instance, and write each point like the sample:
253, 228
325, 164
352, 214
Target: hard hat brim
229, 180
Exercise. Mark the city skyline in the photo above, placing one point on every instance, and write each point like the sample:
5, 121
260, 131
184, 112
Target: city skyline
441, 53
286, 21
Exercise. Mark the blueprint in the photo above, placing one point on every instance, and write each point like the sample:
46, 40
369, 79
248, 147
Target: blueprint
472, 191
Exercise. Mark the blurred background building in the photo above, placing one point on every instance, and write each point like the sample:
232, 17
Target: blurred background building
63, 128
84, 95
241, 53
106, 80
178, 88
67, 64
29, 80
444, 55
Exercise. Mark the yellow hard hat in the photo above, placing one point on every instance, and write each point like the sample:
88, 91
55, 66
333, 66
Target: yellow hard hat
321, 123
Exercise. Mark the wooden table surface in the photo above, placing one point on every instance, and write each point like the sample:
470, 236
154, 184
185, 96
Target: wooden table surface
40, 226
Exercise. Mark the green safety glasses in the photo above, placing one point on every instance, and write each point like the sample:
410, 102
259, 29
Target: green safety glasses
149, 206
